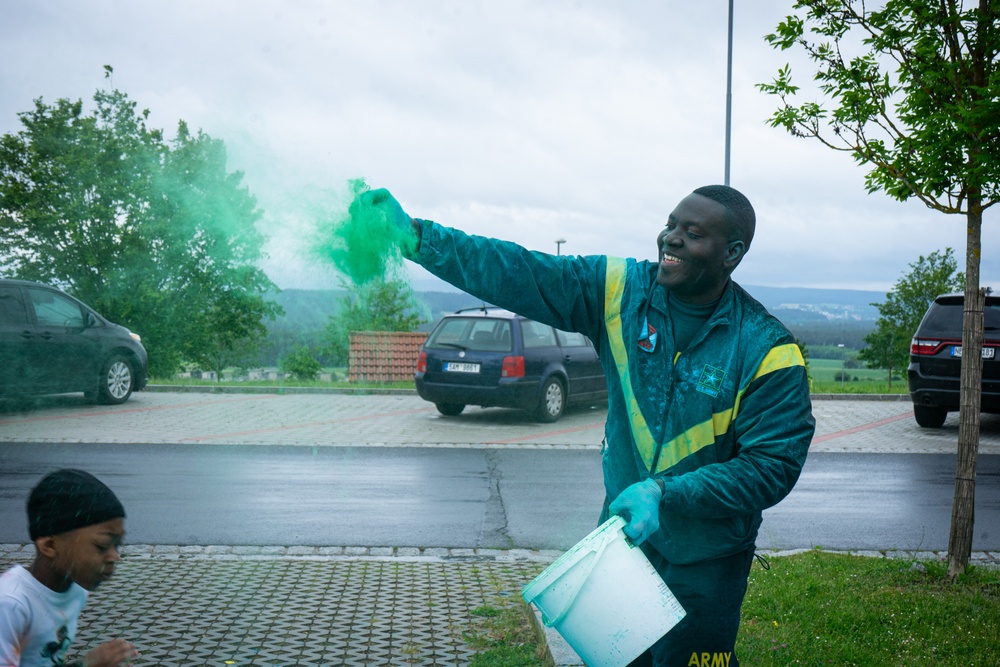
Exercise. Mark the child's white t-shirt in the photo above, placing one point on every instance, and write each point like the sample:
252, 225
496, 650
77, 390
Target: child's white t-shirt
37, 624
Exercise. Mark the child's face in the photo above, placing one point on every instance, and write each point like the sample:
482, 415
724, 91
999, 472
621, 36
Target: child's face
88, 555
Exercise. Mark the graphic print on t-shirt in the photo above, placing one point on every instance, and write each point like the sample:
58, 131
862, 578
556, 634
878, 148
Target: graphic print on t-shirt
56, 650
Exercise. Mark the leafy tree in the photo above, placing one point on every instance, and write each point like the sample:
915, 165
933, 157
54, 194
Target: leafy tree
380, 305
156, 235
915, 85
301, 363
904, 307
804, 351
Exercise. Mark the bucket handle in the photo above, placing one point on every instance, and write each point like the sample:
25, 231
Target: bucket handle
590, 568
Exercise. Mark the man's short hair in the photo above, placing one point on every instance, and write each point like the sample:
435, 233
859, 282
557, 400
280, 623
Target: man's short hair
739, 211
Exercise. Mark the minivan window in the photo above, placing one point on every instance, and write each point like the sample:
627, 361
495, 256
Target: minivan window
537, 334
53, 310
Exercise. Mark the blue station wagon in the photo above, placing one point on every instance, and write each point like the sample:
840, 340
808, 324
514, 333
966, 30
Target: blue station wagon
494, 358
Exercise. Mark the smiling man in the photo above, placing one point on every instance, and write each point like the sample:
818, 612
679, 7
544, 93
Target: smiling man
709, 418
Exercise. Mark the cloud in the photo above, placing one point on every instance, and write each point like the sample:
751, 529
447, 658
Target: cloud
529, 121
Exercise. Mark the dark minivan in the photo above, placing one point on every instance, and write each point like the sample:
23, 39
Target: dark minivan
51, 343
494, 358
936, 359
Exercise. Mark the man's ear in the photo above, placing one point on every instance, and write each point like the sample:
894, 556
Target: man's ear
46, 546
734, 253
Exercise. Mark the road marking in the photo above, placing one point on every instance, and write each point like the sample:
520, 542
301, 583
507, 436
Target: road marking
104, 413
292, 427
859, 429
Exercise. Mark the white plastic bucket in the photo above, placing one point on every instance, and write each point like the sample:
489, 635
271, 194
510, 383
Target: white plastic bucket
604, 597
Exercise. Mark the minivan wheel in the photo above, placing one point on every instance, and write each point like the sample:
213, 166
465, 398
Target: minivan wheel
552, 403
450, 409
115, 381
929, 417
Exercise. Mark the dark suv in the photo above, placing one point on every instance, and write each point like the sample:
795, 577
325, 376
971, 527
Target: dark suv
51, 343
936, 359
494, 358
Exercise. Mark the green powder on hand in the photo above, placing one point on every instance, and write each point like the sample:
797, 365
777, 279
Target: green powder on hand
361, 242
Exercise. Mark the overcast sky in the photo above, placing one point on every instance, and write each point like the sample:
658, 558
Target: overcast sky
528, 121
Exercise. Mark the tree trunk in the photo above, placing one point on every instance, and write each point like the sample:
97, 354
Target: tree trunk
963, 507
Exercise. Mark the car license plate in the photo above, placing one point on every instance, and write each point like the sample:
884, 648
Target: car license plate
458, 367
988, 352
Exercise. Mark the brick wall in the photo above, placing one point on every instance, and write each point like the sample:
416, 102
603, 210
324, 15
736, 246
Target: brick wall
383, 356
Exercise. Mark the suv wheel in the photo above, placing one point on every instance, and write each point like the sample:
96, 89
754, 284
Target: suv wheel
450, 409
552, 403
115, 382
929, 417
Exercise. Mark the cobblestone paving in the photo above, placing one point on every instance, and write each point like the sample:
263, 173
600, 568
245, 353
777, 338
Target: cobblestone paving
264, 610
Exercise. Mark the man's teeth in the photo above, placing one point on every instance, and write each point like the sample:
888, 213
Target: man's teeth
671, 258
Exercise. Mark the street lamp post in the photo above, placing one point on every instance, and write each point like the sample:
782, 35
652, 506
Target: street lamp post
729, 93
559, 243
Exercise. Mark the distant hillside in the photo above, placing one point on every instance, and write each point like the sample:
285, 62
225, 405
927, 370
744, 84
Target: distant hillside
808, 305
310, 310
815, 316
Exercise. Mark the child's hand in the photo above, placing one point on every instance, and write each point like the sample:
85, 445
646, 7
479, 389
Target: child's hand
110, 654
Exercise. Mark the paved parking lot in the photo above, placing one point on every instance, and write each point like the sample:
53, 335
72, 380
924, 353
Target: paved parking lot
351, 606
406, 420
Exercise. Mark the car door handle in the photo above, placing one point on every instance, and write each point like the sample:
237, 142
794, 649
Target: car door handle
45, 335
568, 357
27, 334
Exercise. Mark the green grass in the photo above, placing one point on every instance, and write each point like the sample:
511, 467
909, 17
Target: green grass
504, 636
818, 609
869, 387
822, 372
862, 380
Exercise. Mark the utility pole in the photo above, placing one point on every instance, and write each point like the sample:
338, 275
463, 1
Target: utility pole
559, 242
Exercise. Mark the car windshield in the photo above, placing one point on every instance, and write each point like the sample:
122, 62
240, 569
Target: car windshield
472, 333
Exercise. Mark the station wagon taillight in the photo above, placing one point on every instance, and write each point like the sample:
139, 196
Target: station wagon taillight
513, 367
422, 362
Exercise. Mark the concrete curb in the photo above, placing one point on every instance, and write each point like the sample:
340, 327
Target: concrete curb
399, 391
229, 389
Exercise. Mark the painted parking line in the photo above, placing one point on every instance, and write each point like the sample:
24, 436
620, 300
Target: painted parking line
124, 411
861, 428
294, 427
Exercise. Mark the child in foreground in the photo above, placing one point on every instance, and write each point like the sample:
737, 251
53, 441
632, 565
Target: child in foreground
77, 525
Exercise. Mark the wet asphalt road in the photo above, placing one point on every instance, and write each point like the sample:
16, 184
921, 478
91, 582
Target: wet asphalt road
465, 497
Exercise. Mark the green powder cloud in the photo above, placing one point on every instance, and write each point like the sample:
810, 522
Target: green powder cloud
361, 242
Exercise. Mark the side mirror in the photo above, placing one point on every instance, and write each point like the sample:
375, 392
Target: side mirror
90, 321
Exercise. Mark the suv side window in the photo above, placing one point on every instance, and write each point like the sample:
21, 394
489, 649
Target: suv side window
54, 310
571, 338
12, 312
536, 334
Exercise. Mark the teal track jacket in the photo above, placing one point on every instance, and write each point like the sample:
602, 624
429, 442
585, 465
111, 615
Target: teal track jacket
726, 424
